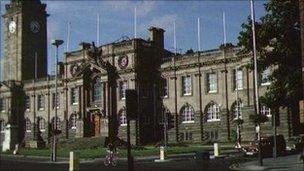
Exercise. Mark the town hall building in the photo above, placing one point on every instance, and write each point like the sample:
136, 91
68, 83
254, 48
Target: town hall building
192, 97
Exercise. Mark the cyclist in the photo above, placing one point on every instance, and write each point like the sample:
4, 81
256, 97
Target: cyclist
110, 158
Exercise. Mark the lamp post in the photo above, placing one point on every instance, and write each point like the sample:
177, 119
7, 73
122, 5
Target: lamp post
56, 43
257, 108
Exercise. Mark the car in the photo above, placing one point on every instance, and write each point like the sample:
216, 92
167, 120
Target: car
295, 143
267, 144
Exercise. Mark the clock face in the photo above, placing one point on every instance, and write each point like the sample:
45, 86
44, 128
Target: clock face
123, 62
35, 27
12, 26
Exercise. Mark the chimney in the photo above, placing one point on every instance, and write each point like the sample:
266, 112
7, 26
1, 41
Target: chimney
157, 37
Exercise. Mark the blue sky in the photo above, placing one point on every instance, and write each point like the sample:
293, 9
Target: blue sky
117, 20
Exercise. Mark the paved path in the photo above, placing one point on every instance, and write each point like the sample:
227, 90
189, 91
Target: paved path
282, 163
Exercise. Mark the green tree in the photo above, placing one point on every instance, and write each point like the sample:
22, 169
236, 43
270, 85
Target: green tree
279, 47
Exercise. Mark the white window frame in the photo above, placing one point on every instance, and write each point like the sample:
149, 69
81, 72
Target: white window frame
73, 119
3, 105
214, 112
187, 85
74, 96
266, 111
238, 79
265, 76
238, 105
41, 129
123, 118
165, 88
212, 82
54, 101
39, 103
28, 121
58, 123
188, 114
3, 125
27, 103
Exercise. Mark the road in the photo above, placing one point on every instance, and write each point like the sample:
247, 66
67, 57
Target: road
26, 164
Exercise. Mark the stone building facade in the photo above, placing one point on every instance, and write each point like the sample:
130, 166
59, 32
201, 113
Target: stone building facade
185, 91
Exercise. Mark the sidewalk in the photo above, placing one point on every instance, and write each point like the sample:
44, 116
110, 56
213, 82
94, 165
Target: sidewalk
290, 163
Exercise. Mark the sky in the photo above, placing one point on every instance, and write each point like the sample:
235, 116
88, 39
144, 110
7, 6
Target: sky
117, 20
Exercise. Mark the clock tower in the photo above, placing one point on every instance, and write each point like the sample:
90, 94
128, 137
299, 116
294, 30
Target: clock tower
25, 38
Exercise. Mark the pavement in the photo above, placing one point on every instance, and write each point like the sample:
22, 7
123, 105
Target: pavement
282, 163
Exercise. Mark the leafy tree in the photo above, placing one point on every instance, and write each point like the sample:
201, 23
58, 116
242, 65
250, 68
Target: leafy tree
279, 47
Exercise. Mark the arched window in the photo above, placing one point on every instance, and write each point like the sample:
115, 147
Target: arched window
28, 125
2, 125
237, 109
97, 90
187, 113
122, 117
265, 111
213, 112
41, 124
72, 121
58, 123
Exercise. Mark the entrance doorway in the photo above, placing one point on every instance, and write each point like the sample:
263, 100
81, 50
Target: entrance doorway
96, 122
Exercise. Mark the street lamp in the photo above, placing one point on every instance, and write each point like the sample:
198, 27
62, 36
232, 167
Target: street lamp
56, 43
257, 108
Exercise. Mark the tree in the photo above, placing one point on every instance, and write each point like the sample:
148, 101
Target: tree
279, 47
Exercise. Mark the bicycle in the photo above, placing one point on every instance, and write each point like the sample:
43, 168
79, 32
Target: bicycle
110, 159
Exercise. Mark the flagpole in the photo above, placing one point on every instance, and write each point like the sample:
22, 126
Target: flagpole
257, 108
98, 29
224, 28
135, 22
226, 77
68, 36
199, 76
175, 81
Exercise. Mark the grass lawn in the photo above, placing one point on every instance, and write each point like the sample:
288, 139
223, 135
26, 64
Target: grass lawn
101, 152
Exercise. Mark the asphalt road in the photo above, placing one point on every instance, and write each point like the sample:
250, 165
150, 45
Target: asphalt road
9, 163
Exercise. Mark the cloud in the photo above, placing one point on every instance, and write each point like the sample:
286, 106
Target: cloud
145, 7
166, 22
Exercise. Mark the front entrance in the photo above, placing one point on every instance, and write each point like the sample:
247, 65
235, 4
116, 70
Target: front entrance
96, 122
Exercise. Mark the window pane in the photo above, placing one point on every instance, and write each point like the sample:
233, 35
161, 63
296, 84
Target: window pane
122, 89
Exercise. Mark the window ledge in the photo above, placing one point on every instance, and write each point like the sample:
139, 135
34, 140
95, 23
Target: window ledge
41, 109
28, 131
190, 94
74, 103
213, 120
212, 92
188, 122
73, 127
123, 124
42, 130
265, 84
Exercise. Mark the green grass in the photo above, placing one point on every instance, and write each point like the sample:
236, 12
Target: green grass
101, 152
92, 148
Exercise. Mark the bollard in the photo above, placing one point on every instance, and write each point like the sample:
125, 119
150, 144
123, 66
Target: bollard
162, 153
74, 161
216, 150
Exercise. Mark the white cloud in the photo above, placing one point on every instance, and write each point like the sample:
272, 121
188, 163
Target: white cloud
165, 22
145, 7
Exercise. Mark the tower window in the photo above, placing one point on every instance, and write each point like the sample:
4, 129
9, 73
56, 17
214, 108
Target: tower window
28, 125
41, 124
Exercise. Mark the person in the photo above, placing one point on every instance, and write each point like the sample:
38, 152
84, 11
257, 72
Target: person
110, 158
